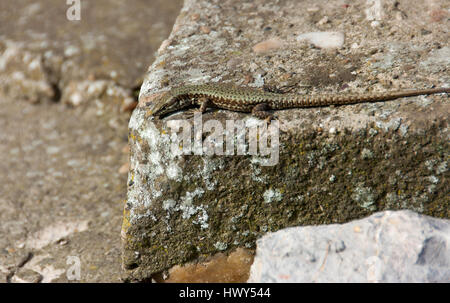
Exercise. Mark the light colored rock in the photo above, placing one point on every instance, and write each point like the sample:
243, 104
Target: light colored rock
389, 246
267, 45
323, 39
26, 276
22, 74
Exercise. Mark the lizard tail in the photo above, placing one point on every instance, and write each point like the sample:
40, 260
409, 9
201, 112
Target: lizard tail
326, 100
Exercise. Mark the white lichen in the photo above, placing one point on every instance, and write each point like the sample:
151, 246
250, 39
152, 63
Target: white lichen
271, 195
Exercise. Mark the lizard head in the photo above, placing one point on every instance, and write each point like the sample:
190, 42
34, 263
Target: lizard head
167, 103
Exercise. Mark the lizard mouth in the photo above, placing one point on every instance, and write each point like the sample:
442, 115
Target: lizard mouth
169, 112
168, 105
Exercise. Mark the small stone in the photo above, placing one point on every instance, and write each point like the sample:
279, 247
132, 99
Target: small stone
53, 150
323, 39
113, 74
438, 15
126, 149
62, 241
195, 17
323, 21
71, 51
25, 275
164, 45
267, 45
375, 23
205, 29
124, 168
75, 99
313, 9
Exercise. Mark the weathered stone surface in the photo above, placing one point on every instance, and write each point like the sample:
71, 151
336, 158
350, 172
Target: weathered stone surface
390, 246
335, 164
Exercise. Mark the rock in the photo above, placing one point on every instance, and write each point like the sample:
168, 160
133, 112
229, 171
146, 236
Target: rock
437, 15
22, 73
99, 94
390, 246
124, 168
323, 21
184, 205
323, 39
267, 45
26, 276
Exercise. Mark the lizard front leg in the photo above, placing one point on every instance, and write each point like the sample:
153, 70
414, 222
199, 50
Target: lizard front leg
261, 111
203, 102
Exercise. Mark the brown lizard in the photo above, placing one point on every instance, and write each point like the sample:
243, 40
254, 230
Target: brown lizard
258, 102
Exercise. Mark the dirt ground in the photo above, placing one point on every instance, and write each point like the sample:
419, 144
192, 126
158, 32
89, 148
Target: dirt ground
63, 168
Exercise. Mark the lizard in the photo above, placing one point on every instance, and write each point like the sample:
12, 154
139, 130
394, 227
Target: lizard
258, 102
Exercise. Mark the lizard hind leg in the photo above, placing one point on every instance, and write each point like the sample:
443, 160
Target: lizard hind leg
261, 111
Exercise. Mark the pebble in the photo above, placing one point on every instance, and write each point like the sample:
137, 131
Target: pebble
323, 21
205, 29
71, 51
164, 45
267, 45
195, 17
124, 168
52, 150
438, 15
375, 23
76, 99
126, 149
25, 275
313, 9
323, 39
